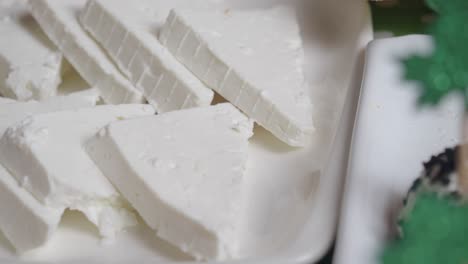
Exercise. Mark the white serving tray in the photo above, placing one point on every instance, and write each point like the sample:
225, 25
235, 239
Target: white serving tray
392, 138
294, 194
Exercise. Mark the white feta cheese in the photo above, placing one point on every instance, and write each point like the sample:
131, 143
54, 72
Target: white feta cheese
59, 20
30, 65
4, 100
91, 94
47, 150
73, 84
24, 221
127, 31
183, 172
14, 112
252, 58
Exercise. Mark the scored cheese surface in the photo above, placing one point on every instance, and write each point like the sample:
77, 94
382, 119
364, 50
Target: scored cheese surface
45, 153
183, 172
252, 58
59, 20
30, 65
128, 32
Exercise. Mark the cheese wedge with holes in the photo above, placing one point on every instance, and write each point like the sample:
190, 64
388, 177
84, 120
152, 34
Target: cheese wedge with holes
128, 32
59, 20
252, 58
183, 172
30, 65
24, 221
45, 153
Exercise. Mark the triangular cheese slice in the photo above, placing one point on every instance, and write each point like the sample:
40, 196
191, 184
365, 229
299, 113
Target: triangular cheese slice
183, 172
24, 221
252, 58
59, 20
45, 154
127, 31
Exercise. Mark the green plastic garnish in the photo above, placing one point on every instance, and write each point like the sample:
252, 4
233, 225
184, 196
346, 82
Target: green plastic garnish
446, 70
435, 232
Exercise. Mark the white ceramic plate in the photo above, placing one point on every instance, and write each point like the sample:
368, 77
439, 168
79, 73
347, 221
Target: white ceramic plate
294, 194
392, 138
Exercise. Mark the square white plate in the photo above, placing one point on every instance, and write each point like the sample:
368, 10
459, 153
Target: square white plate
392, 137
294, 194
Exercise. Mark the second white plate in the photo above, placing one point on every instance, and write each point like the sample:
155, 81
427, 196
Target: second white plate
392, 137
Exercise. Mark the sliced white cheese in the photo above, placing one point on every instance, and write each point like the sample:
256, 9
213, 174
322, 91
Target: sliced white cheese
30, 65
91, 94
128, 32
45, 152
4, 100
14, 112
252, 58
72, 82
24, 221
59, 20
183, 172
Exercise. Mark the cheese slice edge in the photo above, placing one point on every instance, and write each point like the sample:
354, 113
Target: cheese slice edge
189, 188
59, 20
285, 110
164, 82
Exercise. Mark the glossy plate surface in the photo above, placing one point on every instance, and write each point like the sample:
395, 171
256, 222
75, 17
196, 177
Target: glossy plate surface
294, 194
